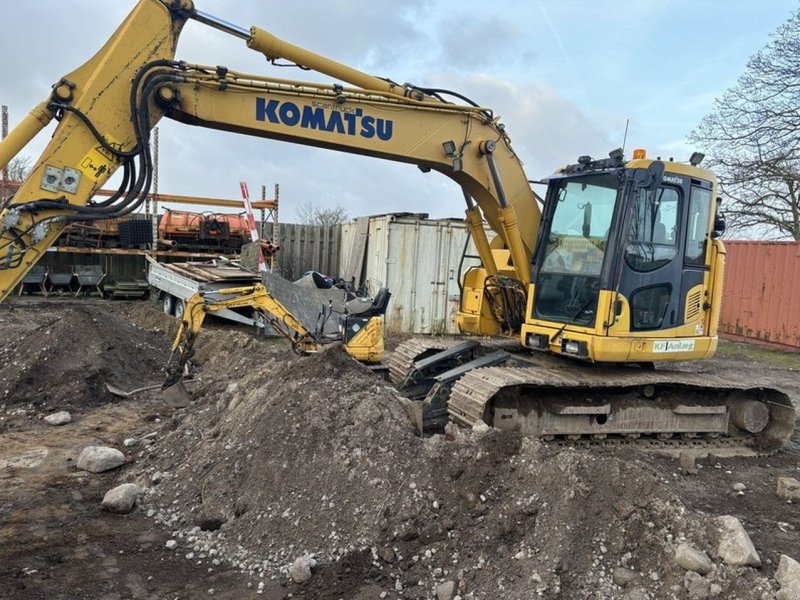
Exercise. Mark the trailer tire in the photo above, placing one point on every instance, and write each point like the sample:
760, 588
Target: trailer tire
167, 304
180, 308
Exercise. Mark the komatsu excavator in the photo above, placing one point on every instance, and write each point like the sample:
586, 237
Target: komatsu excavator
621, 264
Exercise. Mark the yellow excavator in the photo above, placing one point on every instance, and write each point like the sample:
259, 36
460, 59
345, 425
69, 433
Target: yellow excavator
360, 332
618, 267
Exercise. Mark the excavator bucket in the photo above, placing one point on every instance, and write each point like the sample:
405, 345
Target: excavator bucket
176, 395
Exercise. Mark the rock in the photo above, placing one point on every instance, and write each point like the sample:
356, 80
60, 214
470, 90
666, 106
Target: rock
735, 547
696, 585
716, 590
687, 463
157, 478
171, 544
300, 571
624, 577
446, 590
97, 459
788, 488
128, 442
121, 499
481, 428
387, 554
61, 417
739, 487
788, 577
692, 559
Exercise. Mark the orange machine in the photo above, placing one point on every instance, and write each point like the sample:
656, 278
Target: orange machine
217, 230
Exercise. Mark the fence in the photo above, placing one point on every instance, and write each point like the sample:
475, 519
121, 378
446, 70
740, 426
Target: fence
761, 297
306, 248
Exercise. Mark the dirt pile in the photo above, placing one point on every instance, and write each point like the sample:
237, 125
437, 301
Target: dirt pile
281, 458
64, 359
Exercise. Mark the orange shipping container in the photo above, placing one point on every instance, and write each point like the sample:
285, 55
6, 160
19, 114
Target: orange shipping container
761, 297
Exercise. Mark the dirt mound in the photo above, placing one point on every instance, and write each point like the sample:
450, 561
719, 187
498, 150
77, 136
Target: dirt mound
315, 456
66, 358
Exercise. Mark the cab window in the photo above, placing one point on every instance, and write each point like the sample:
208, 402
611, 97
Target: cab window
697, 227
653, 237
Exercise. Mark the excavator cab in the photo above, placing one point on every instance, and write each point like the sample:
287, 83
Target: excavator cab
627, 267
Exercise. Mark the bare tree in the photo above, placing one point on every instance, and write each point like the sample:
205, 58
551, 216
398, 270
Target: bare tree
19, 168
752, 138
310, 214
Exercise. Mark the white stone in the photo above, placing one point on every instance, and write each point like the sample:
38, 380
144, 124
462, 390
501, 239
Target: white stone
692, 559
300, 571
735, 547
696, 585
171, 544
788, 577
446, 590
623, 577
481, 428
121, 499
97, 459
61, 417
788, 488
739, 487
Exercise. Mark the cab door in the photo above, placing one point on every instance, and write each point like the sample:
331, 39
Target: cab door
652, 266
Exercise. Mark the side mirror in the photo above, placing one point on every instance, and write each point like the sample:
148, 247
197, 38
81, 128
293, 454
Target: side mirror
651, 178
719, 221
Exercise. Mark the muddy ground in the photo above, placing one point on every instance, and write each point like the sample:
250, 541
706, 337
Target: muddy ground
282, 457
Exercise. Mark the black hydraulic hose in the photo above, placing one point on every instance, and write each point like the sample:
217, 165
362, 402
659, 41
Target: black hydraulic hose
126, 178
436, 91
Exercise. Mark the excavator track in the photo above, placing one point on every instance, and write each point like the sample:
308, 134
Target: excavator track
567, 403
403, 357
613, 407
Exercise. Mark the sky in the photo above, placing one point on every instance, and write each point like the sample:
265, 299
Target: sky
564, 75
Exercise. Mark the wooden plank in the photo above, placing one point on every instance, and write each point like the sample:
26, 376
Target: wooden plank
357, 251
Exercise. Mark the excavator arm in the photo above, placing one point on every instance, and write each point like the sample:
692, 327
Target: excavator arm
256, 297
366, 344
107, 108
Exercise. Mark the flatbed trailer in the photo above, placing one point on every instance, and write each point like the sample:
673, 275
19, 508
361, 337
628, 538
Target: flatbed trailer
174, 283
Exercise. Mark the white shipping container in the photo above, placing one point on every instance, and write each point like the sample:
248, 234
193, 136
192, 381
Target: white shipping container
418, 260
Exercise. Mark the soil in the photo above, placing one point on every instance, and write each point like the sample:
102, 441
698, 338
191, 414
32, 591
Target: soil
282, 457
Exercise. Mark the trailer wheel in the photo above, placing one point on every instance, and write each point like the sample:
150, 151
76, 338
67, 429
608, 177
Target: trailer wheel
180, 308
167, 304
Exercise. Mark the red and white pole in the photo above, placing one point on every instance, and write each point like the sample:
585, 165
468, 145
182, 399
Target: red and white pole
251, 225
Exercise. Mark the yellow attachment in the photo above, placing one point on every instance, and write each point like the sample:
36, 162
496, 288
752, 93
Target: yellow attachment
519, 255
475, 224
367, 345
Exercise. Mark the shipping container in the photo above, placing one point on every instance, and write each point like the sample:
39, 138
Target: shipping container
761, 297
419, 260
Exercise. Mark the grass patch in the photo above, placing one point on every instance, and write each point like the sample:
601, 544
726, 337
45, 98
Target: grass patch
785, 359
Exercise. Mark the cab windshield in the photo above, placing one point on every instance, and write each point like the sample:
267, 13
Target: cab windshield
569, 277
580, 225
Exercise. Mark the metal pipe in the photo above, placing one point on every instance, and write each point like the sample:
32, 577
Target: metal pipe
274, 47
487, 148
24, 132
222, 25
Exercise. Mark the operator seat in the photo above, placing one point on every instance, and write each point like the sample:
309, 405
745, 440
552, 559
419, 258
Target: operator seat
364, 307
